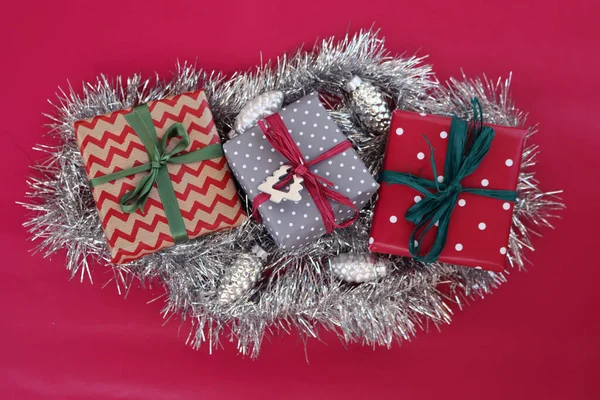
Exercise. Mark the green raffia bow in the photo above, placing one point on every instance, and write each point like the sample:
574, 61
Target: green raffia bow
467, 147
141, 122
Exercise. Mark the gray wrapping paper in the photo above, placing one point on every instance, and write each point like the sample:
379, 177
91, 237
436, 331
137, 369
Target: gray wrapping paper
252, 159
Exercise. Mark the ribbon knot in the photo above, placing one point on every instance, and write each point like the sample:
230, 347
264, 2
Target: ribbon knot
300, 170
468, 144
454, 186
160, 163
158, 159
318, 187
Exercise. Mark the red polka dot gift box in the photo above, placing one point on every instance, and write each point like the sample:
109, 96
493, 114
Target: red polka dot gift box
478, 218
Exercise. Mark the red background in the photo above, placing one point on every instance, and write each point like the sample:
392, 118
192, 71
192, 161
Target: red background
536, 337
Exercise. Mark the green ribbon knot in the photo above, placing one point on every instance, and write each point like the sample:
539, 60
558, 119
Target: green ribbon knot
468, 144
141, 122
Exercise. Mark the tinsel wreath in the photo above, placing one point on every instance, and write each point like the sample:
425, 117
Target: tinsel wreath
298, 290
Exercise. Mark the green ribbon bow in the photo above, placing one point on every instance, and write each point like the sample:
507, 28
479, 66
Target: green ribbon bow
141, 122
467, 147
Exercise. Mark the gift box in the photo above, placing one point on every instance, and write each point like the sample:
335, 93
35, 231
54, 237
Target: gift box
158, 175
479, 225
313, 133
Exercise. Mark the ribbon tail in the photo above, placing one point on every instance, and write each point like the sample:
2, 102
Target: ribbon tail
439, 211
327, 194
137, 197
322, 204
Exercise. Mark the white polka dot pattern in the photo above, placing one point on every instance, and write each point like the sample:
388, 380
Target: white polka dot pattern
345, 171
478, 225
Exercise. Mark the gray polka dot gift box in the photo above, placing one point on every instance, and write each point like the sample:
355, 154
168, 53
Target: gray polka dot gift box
300, 172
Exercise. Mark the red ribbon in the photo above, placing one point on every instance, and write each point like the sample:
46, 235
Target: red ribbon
319, 188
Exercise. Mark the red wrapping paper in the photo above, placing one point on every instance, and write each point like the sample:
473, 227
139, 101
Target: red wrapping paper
479, 226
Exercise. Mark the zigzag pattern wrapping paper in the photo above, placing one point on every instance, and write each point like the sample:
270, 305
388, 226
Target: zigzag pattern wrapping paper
205, 191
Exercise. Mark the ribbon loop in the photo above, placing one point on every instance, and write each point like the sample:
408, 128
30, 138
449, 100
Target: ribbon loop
467, 147
175, 130
318, 187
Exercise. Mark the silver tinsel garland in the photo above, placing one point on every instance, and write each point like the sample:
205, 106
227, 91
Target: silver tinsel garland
300, 292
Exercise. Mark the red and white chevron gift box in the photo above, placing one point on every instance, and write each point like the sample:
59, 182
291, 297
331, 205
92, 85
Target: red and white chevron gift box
205, 191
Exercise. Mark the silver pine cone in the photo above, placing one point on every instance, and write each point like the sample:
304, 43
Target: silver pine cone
256, 109
358, 267
242, 275
369, 105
